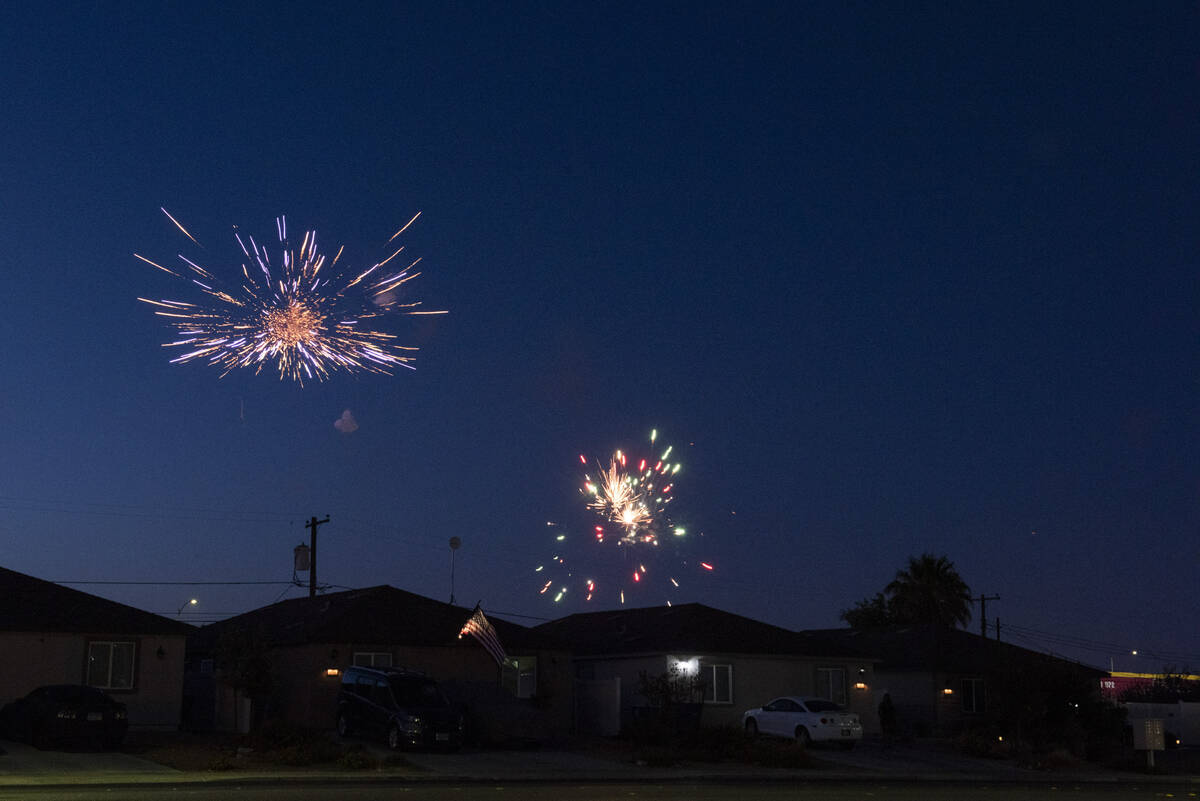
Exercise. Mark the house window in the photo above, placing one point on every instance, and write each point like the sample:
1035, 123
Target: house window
206, 666
110, 665
831, 684
520, 676
718, 683
972, 695
372, 659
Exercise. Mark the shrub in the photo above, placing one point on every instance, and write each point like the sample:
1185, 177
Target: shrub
1057, 759
287, 744
222, 762
984, 741
355, 757
659, 757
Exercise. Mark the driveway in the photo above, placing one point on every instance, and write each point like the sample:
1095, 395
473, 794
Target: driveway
24, 764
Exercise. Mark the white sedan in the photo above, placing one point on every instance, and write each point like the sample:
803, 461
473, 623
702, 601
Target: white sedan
805, 719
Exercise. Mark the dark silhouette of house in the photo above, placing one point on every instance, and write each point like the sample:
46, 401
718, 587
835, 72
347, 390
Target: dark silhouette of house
302, 645
741, 662
943, 680
51, 634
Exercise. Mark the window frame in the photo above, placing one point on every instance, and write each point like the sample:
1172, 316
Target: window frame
373, 655
977, 694
708, 674
513, 676
108, 685
824, 688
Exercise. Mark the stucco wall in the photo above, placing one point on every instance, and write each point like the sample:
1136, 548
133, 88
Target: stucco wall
756, 680
304, 693
32, 660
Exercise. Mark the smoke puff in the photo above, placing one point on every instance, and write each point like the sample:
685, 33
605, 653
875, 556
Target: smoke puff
346, 423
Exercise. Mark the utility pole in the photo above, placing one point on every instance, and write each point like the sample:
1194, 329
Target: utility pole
311, 525
983, 599
998, 631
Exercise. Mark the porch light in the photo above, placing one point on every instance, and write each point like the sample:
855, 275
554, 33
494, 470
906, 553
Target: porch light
332, 672
686, 667
947, 691
860, 685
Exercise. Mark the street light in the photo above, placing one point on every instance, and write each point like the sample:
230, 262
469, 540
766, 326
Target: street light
186, 604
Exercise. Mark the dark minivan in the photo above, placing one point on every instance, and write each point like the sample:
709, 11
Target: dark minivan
402, 707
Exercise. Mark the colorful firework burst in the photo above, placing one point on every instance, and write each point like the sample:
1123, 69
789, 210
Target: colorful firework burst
641, 545
299, 312
634, 499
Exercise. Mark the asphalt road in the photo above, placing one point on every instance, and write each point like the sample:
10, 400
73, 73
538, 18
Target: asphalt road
807, 791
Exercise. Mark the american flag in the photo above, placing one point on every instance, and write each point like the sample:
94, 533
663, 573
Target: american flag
479, 627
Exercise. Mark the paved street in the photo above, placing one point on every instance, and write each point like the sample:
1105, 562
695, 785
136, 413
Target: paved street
920, 772
820, 791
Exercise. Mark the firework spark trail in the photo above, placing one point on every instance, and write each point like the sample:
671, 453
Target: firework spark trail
309, 324
631, 497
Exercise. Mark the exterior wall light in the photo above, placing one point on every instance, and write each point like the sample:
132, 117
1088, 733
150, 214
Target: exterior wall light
860, 685
948, 691
685, 667
332, 672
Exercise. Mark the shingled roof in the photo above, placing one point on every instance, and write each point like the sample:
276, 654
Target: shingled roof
381, 614
920, 647
29, 604
686, 628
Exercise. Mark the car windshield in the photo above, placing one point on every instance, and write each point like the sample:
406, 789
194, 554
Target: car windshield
417, 693
74, 694
821, 705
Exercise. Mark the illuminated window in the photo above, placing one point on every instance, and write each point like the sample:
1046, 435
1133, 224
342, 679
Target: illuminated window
372, 659
831, 684
110, 665
718, 683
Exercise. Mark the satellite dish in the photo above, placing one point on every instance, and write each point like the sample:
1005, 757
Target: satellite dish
455, 543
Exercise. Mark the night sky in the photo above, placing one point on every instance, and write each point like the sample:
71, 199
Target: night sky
891, 278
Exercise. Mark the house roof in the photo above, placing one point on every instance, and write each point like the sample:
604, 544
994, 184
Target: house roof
918, 647
687, 629
29, 604
380, 614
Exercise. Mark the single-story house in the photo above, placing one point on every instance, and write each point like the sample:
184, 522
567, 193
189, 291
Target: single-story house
741, 663
943, 680
284, 662
51, 634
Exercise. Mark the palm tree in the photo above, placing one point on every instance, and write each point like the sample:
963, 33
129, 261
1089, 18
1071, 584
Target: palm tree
930, 590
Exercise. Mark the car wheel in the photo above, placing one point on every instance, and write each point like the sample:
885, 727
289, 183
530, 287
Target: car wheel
751, 729
394, 737
343, 726
802, 737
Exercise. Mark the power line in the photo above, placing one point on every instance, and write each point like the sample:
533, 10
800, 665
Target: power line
178, 583
136, 511
1080, 643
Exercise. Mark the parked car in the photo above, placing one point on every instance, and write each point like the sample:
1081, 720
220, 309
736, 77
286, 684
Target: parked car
65, 713
401, 707
805, 719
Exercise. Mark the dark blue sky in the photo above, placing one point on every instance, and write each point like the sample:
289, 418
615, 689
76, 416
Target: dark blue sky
892, 280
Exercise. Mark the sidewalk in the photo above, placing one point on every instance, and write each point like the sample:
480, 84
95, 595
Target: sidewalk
23, 765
